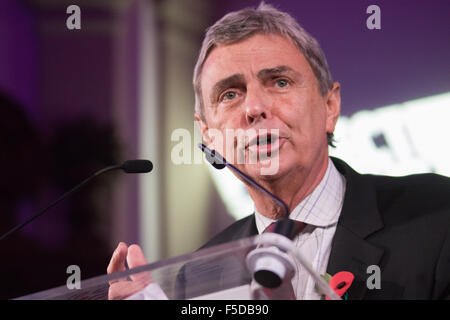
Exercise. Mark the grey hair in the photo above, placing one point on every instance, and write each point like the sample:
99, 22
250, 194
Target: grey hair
240, 25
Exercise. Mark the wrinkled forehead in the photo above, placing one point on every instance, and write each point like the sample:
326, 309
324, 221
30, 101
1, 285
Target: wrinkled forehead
257, 34
252, 55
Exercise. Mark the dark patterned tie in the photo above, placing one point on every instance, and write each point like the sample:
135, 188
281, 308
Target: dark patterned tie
285, 291
297, 227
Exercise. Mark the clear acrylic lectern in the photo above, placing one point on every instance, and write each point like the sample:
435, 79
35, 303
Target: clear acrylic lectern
224, 272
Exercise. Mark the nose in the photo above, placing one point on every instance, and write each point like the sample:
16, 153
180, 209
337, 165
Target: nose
256, 107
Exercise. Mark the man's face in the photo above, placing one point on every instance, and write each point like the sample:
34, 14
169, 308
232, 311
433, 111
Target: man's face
265, 82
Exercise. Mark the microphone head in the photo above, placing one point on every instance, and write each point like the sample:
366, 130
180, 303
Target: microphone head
137, 166
216, 160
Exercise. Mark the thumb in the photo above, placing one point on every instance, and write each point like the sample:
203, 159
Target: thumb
136, 258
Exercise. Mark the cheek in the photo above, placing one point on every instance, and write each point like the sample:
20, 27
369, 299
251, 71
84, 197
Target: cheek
292, 111
227, 120
305, 118
217, 133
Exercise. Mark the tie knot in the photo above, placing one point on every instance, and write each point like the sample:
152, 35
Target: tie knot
288, 227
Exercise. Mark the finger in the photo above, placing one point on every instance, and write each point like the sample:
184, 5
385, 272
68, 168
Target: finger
136, 258
117, 262
118, 258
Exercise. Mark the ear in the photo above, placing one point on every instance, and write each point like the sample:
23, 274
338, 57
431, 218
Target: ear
333, 106
203, 128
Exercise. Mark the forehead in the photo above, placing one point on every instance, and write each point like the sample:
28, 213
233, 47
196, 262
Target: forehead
252, 55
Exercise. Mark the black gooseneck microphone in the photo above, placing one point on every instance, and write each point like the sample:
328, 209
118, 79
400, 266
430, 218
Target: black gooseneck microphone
129, 166
270, 268
284, 226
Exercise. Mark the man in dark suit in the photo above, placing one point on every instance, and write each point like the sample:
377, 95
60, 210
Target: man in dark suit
399, 224
259, 71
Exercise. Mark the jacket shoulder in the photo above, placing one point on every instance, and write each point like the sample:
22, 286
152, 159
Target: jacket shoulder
426, 186
414, 196
402, 197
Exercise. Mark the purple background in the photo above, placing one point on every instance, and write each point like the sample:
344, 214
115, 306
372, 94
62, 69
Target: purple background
407, 59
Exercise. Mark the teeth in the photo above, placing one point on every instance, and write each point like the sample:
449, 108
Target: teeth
264, 140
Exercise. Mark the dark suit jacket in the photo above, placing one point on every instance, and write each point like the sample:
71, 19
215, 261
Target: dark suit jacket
401, 224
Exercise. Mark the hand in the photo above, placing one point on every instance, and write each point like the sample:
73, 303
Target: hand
122, 288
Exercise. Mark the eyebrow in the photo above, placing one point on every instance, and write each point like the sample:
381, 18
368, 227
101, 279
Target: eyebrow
231, 81
267, 73
238, 79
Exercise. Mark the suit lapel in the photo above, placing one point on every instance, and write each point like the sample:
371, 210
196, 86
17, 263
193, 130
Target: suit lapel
247, 229
359, 218
353, 254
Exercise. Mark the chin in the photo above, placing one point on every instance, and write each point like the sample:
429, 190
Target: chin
267, 172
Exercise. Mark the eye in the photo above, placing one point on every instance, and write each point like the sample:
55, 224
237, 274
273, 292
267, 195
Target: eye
229, 95
281, 83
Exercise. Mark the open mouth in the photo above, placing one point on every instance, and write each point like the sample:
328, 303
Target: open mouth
265, 143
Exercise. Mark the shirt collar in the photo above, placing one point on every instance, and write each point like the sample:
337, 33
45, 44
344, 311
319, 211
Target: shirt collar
321, 208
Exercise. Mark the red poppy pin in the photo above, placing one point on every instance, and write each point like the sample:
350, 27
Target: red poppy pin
340, 283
